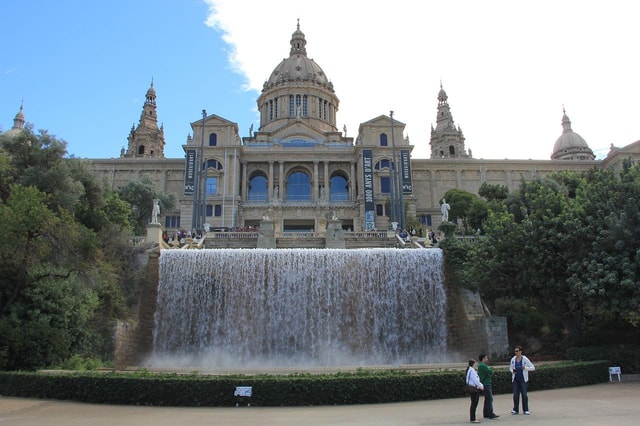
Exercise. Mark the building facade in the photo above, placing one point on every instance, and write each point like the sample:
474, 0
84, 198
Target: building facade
299, 169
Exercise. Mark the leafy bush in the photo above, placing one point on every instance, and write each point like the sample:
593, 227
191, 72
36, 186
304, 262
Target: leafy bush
362, 387
623, 356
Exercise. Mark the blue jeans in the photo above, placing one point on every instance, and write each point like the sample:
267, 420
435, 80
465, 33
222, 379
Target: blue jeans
487, 408
520, 387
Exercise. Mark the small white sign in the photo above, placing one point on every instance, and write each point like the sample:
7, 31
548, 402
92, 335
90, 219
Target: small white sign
243, 391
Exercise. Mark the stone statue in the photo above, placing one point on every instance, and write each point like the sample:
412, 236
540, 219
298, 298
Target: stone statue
155, 211
276, 191
267, 215
444, 208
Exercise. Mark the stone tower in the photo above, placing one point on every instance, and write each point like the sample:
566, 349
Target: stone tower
447, 141
146, 140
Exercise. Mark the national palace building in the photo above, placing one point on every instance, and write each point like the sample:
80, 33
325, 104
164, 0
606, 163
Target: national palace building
299, 169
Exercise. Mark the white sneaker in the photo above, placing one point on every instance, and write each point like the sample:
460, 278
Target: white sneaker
526, 413
514, 412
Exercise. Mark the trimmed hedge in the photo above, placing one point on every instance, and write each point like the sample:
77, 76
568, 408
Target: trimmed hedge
362, 387
624, 356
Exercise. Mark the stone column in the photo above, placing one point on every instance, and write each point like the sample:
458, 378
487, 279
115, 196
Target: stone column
335, 233
154, 233
316, 183
270, 182
245, 182
266, 234
327, 187
352, 181
281, 178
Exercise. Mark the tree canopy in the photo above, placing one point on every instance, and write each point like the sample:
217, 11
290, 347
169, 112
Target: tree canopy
561, 255
65, 264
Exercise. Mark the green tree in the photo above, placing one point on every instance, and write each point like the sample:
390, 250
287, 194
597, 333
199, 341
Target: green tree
65, 265
140, 195
39, 160
492, 192
604, 266
561, 255
460, 202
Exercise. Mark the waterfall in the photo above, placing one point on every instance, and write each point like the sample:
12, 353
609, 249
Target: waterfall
300, 307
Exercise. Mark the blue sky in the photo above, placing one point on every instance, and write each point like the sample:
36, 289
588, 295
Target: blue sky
82, 68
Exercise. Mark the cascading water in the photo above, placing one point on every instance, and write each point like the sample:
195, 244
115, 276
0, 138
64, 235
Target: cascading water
300, 307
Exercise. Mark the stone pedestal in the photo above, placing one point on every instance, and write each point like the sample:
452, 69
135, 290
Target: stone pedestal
335, 234
266, 235
154, 233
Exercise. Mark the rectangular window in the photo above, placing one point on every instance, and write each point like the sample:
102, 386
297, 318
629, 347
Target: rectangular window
209, 210
212, 185
425, 219
172, 222
385, 185
379, 210
218, 210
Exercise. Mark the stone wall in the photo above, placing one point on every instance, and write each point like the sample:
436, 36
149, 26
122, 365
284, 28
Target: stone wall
472, 329
134, 339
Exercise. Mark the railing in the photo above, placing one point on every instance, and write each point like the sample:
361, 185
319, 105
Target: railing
468, 239
232, 235
368, 235
300, 235
298, 203
136, 241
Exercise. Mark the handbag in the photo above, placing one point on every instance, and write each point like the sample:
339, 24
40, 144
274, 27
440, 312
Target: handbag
471, 389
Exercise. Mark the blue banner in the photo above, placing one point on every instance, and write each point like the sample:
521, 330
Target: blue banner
369, 206
190, 172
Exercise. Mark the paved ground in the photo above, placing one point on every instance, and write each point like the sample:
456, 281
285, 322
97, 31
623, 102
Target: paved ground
603, 404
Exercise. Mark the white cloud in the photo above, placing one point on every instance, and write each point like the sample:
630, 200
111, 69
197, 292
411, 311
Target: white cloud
508, 67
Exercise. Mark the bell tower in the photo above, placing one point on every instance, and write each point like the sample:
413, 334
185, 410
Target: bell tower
146, 140
447, 141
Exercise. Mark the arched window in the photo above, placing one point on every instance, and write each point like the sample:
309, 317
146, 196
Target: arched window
214, 164
141, 150
298, 187
257, 188
383, 164
452, 150
339, 188
213, 139
383, 139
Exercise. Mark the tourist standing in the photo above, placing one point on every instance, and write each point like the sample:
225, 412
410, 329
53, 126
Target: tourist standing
474, 381
485, 373
520, 367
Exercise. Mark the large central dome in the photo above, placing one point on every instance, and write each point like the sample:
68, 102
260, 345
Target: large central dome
297, 67
297, 94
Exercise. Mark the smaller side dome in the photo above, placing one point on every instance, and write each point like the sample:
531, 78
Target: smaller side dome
570, 145
18, 122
